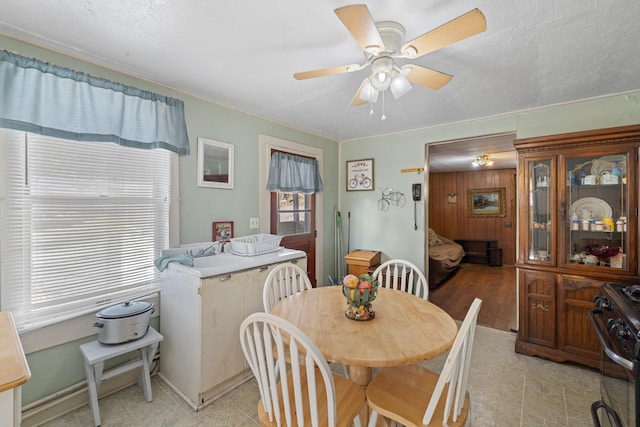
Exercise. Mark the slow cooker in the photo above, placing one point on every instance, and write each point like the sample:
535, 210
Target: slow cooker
124, 322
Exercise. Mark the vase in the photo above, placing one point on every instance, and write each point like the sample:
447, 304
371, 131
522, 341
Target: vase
359, 303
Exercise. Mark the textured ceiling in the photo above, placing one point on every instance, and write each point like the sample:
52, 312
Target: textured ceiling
242, 54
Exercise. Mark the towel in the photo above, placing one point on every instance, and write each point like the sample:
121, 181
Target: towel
162, 262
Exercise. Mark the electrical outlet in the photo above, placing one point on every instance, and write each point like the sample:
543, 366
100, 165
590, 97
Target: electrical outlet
254, 223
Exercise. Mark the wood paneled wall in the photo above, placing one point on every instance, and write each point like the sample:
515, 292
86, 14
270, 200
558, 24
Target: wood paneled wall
452, 220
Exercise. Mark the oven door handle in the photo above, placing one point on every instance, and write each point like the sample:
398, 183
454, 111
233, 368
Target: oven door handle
625, 363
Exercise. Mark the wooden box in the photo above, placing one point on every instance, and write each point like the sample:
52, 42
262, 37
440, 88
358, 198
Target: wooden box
361, 261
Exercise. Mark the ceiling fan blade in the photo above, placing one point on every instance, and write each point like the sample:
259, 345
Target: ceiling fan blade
426, 77
356, 98
328, 71
360, 24
460, 28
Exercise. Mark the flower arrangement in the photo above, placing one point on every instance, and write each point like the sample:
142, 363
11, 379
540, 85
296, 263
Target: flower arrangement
360, 292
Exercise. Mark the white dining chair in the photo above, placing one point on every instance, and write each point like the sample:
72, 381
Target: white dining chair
284, 280
402, 275
413, 395
309, 394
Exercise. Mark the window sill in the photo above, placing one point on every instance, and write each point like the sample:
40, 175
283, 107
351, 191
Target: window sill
69, 330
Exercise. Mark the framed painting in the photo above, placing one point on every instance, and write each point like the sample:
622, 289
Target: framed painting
487, 202
222, 231
360, 175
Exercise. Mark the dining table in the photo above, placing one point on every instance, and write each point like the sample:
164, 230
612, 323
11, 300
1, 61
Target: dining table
406, 329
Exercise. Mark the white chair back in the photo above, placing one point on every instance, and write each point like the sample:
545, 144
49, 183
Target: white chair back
455, 372
402, 275
284, 280
268, 341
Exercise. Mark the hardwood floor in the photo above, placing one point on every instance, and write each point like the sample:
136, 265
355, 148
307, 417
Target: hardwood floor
495, 286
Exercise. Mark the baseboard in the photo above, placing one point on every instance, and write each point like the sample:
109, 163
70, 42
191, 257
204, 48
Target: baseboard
73, 398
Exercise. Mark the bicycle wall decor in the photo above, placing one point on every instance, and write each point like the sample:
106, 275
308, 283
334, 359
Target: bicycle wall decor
389, 198
360, 175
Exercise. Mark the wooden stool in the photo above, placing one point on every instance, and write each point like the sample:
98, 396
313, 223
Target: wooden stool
95, 354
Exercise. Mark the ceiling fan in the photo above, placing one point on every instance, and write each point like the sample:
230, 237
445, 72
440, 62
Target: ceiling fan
382, 45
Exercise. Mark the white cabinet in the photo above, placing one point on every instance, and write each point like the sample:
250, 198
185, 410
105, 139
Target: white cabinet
201, 357
223, 300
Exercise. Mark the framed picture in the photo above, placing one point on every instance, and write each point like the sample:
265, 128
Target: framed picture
360, 175
222, 231
486, 202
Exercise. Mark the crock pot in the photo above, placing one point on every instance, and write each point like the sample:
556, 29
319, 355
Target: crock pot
124, 322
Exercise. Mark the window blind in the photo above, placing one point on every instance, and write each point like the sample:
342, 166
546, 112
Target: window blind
81, 224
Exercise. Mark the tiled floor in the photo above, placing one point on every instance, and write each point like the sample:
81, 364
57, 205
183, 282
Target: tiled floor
507, 389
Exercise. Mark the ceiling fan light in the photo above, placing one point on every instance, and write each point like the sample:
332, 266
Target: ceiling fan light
368, 93
381, 80
399, 86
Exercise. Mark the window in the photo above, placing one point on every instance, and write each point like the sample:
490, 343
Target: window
80, 225
293, 210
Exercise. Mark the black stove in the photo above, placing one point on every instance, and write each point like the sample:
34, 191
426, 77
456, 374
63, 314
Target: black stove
631, 291
616, 319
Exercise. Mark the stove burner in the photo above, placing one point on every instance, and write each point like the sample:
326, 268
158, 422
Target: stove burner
633, 292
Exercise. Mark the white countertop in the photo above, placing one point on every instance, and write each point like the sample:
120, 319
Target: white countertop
215, 265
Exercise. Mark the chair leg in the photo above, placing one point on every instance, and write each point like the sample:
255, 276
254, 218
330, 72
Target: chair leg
373, 419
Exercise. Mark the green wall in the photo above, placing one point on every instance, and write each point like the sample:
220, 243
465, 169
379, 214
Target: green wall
392, 232
199, 207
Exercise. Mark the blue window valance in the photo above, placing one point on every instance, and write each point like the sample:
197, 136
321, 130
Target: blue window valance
46, 99
294, 174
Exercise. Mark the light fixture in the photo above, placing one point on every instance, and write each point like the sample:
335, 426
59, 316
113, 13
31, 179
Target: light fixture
381, 73
483, 160
384, 75
400, 85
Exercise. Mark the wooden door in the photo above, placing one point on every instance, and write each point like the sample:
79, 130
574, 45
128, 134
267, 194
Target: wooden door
293, 215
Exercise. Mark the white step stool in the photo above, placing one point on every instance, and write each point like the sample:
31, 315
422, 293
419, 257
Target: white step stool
95, 354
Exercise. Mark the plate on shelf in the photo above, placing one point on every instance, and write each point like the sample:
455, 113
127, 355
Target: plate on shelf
598, 207
606, 163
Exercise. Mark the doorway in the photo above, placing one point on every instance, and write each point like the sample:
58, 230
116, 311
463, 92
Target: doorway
312, 208
449, 177
293, 215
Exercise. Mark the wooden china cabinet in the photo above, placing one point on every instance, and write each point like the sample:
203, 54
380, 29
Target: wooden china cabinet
578, 229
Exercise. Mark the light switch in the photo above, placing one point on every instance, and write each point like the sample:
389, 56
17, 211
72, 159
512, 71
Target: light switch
254, 223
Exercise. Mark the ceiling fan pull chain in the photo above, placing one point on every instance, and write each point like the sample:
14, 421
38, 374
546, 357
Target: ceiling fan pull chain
370, 98
383, 116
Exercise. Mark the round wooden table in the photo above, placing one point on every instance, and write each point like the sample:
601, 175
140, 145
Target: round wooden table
406, 329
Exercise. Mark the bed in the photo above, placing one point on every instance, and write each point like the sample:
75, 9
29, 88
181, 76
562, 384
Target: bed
444, 257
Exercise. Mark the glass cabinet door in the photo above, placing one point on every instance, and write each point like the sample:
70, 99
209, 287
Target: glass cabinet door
597, 209
541, 177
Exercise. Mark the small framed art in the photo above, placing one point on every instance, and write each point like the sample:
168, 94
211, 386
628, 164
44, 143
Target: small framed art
222, 231
360, 175
486, 202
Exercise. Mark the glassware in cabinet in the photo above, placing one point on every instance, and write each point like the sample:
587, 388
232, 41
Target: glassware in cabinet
597, 207
540, 213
